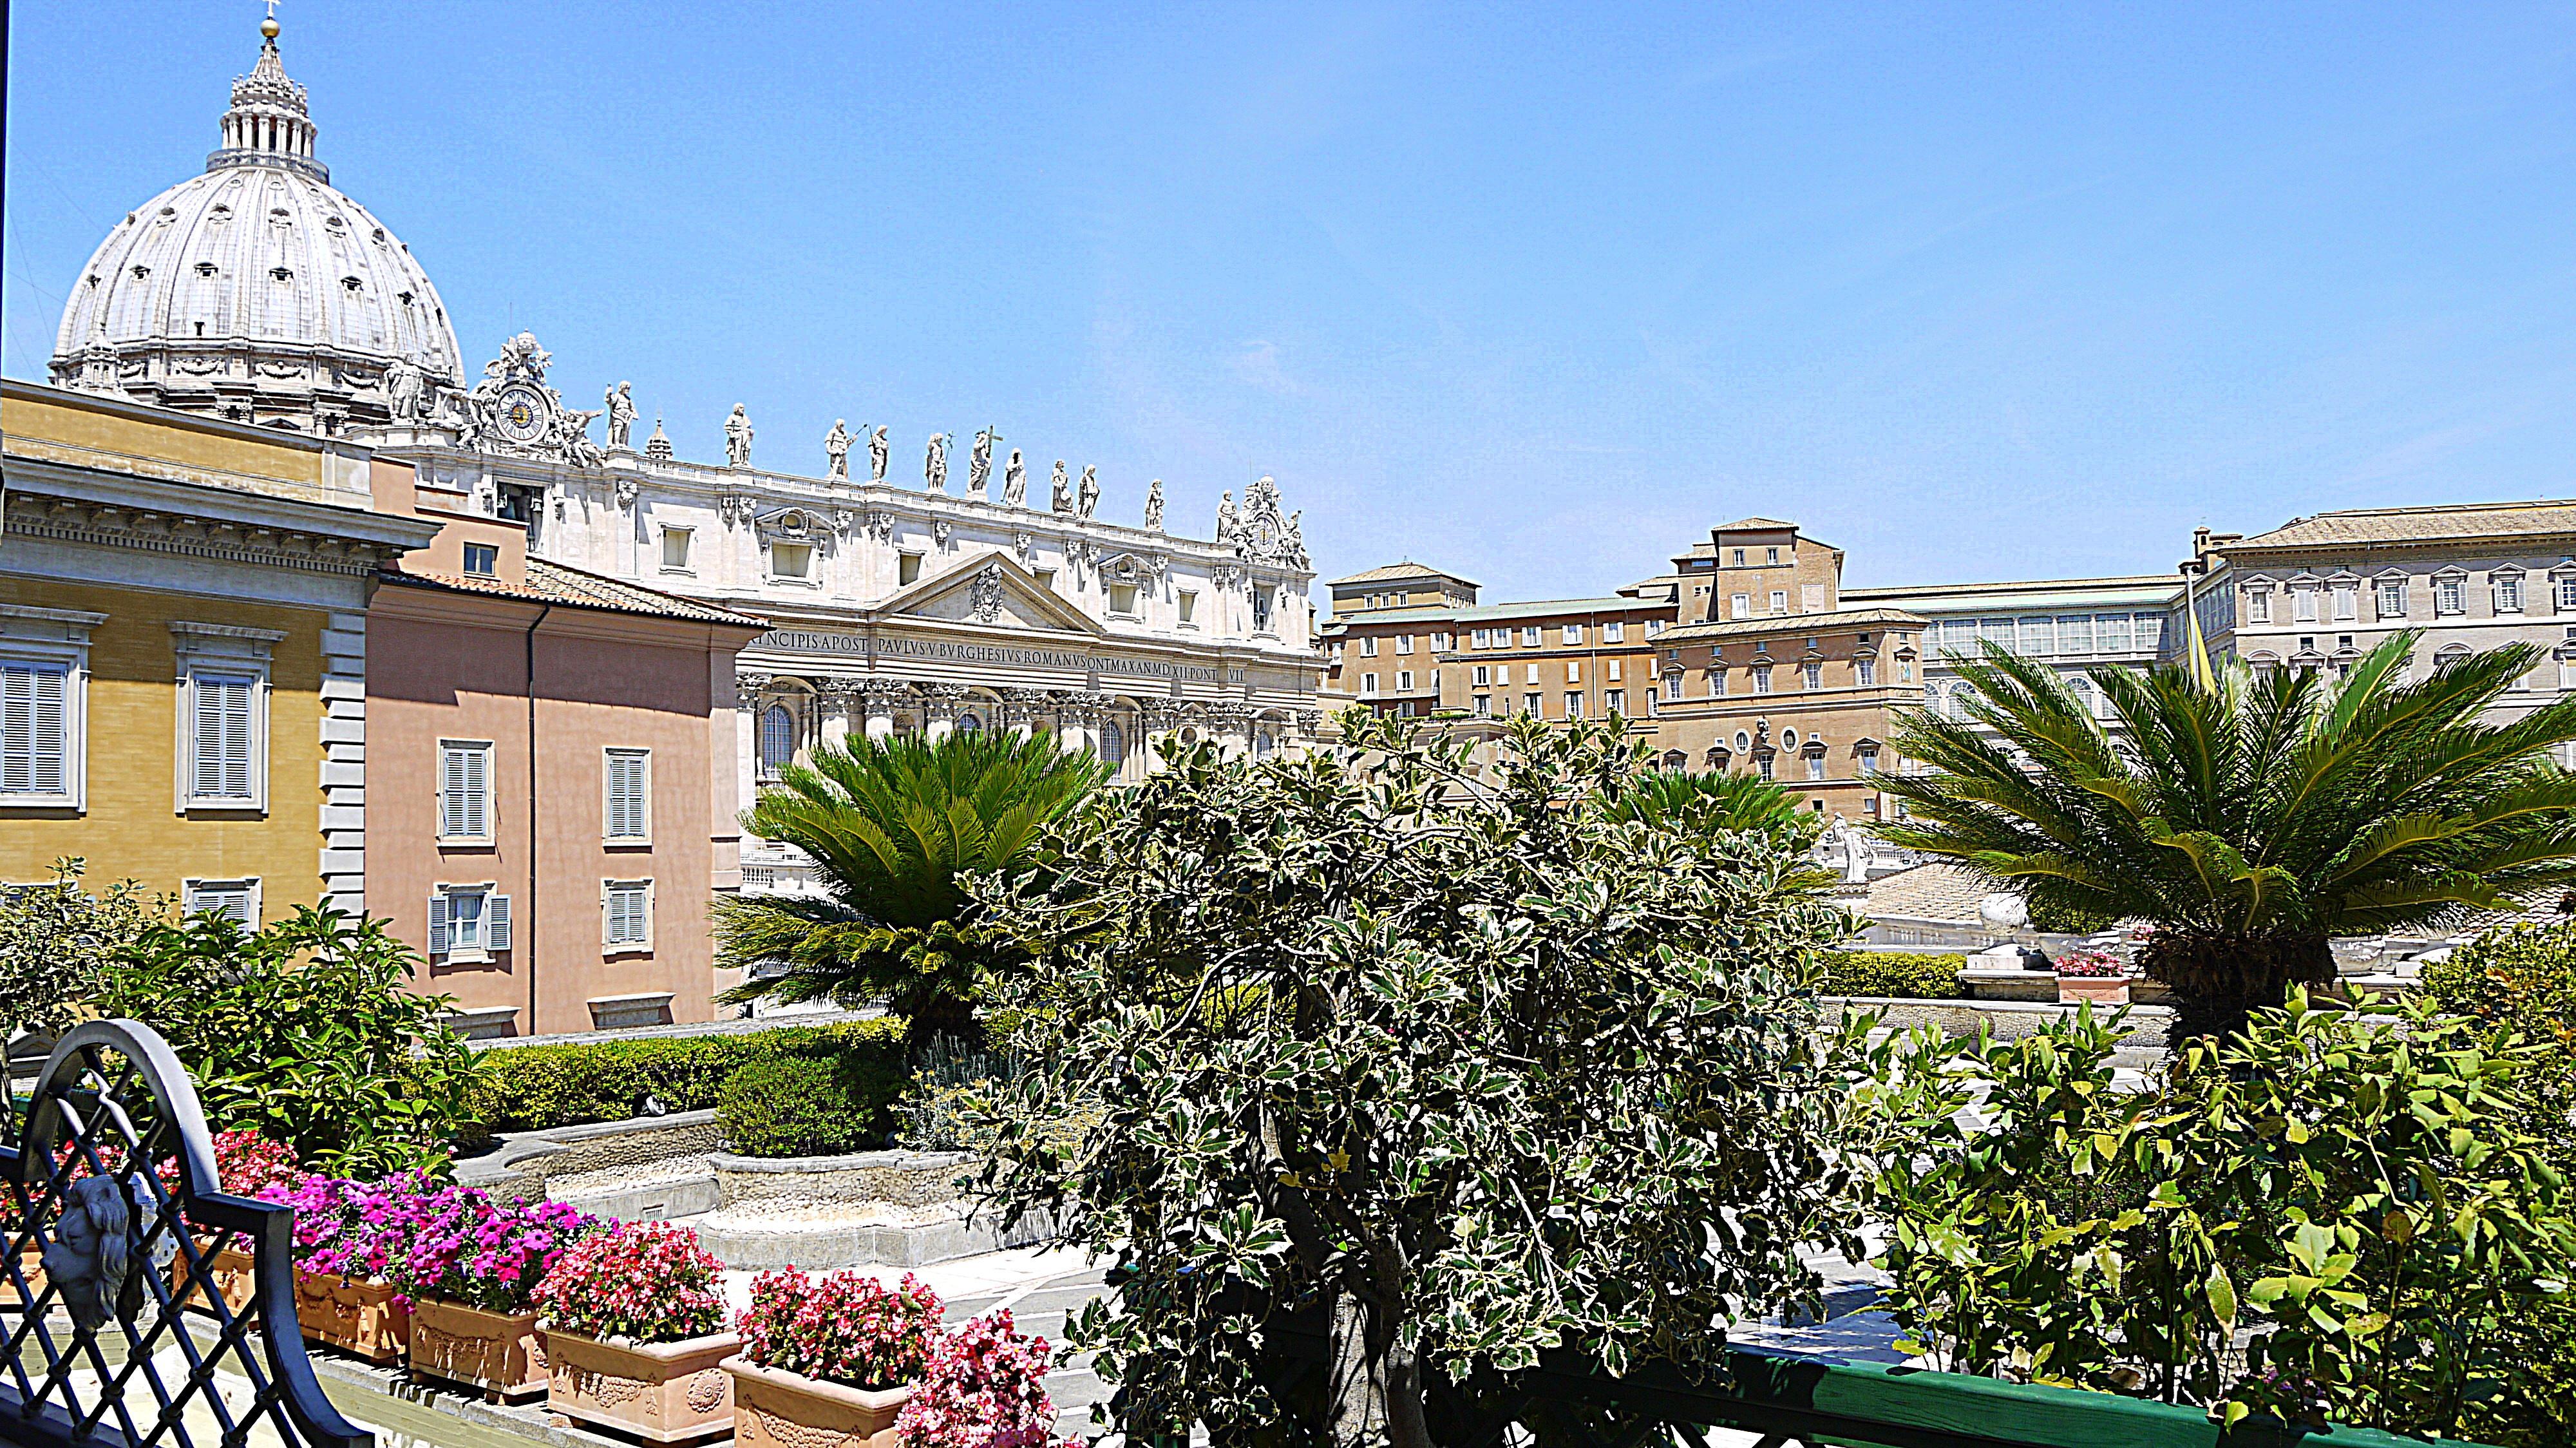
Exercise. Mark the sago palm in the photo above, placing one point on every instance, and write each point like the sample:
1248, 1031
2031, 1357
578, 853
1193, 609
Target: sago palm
2252, 821
1709, 803
891, 826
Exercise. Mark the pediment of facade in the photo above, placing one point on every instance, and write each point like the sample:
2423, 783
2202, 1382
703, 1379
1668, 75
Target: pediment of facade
991, 589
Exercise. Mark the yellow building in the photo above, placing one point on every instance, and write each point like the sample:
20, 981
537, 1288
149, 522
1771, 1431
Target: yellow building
183, 651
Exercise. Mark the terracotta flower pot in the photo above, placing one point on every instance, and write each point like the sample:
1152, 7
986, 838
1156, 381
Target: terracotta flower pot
358, 1317
497, 1352
232, 1271
664, 1392
774, 1408
2100, 989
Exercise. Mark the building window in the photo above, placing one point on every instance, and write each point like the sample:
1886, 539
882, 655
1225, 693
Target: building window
1481, 638
970, 723
2111, 633
1771, 557
482, 560
1615, 701
1762, 678
1404, 643
1574, 671
1368, 683
1480, 676
1573, 633
1813, 674
626, 914
1866, 671
2566, 592
1113, 744
1779, 600
2392, 597
2347, 601
1717, 681
1613, 632
2038, 636
1529, 637
1122, 601
1815, 767
40, 724
223, 714
1442, 643
1739, 558
465, 791
2303, 603
793, 562
1654, 626
1484, 706
1742, 605
468, 924
235, 900
1261, 610
1762, 766
2450, 595
1573, 706
2075, 634
1368, 648
2258, 603
675, 550
1673, 686
627, 811
1867, 755
777, 739
1530, 705
907, 569
1189, 607
2507, 588
1404, 681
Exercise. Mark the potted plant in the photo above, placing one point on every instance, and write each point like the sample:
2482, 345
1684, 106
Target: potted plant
470, 1271
346, 1234
2092, 975
829, 1364
634, 1334
247, 1164
984, 1387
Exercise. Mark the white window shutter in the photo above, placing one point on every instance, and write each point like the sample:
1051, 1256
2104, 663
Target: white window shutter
438, 922
33, 745
451, 793
478, 793
496, 924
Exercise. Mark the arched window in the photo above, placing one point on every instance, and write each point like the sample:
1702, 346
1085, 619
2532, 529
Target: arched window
1113, 744
1263, 744
777, 740
1743, 741
1676, 761
969, 724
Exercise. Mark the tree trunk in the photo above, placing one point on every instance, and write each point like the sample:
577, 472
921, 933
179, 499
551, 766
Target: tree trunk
2219, 979
1377, 1386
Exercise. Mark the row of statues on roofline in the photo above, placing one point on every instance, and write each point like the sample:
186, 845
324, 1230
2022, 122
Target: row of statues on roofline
1080, 498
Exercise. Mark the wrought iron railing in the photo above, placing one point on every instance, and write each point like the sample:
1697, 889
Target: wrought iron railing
118, 1329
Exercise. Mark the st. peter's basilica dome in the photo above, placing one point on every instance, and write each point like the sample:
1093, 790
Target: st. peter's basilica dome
257, 292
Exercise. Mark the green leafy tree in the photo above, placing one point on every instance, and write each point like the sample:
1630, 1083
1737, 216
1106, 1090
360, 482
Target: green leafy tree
895, 827
2353, 1183
56, 941
305, 1031
1711, 802
1439, 1078
2252, 822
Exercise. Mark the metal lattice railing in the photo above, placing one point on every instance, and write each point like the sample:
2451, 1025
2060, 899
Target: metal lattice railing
117, 1325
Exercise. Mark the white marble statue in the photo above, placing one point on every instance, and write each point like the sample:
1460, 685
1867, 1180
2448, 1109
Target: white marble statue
877, 451
1015, 481
403, 383
836, 446
737, 432
1154, 506
1086, 498
1226, 526
1059, 490
979, 462
621, 413
934, 464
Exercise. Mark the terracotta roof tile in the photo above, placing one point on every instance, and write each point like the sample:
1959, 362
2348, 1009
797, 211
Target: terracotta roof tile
555, 583
2456, 522
1406, 569
1781, 623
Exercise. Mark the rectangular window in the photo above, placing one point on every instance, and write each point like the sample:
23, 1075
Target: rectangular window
2347, 601
1762, 765
1573, 706
1529, 637
1739, 558
1481, 638
1814, 674
1261, 611
1529, 705
2566, 591
675, 549
1613, 632
1481, 676
468, 924
1615, 701
2508, 593
1404, 643
2111, 633
1574, 671
1189, 603
1866, 670
224, 739
2450, 595
907, 569
482, 560
1771, 557
1368, 647
1122, 600
2392, 597
1654, 626
1716, 682
626, 910
1442, 643
1779, 600
1815, 766
465, 790
1612, 667
793, 561
1742, 605
1573, 633
1484, 706
1368, 683
2258, 605
1404, 681
2303, 605
2038, 636
235, 900
1762, 678
2150, 631
1868, 759
1673, 685
628, 809
2075, 634
37, 727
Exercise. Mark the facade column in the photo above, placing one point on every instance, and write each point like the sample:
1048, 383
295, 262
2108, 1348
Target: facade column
878, 700
834, 699
1078, 714
1026, 706
939, 708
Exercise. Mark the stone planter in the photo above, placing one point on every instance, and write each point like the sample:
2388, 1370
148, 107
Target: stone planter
497, 1352
233, 1274
2100, 989
663, 1392
774, 1408
358, 1317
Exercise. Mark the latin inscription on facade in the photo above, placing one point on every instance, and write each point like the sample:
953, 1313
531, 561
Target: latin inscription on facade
806, 641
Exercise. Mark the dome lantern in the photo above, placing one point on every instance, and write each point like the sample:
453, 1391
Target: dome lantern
268, 123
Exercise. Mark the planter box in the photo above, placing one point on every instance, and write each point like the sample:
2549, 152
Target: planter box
2100, 989
497, 1352
232, 1273
358, 1317
663, 1392
774, 1408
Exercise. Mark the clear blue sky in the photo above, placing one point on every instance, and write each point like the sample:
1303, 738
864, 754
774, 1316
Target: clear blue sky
1973, 291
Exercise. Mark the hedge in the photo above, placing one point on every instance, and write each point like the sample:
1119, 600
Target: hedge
1893, 973
799, 1106
528, 1088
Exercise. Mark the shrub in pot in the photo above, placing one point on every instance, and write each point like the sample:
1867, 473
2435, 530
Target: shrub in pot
634, 1334
829, 1363
984, 1387
470, 1271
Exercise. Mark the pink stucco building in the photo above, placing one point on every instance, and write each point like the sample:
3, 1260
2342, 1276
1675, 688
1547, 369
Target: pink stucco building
551, 800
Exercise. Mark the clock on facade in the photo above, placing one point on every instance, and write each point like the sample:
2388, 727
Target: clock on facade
521, 415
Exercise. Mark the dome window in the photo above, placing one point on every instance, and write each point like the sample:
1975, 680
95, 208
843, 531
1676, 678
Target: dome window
380, 233
281, 273
351, 283
141, 271
403, 297
169, 210
205, 268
